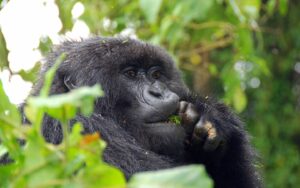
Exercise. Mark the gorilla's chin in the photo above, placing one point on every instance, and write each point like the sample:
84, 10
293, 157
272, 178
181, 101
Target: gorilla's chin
165, 138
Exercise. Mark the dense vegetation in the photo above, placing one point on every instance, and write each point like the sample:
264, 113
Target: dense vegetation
243, 52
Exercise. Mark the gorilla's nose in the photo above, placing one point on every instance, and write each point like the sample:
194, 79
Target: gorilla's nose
163, 101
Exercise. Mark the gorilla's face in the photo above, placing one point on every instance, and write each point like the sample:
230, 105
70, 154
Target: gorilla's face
149, 97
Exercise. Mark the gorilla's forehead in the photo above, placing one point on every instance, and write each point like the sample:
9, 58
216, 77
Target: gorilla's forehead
124, 51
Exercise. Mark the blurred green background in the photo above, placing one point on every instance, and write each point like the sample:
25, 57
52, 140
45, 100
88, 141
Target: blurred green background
244, 52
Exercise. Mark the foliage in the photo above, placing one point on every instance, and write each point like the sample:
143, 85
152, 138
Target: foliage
175, 119
244, 52
186, 176
73, 163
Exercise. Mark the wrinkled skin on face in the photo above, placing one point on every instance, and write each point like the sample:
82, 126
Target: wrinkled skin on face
143, 88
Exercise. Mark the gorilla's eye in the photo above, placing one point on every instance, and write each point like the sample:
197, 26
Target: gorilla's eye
130, 73
156, 74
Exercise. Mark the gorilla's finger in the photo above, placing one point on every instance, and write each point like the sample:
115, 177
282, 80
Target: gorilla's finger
212, 140
206, 133
202, 128
188, 113
182, 107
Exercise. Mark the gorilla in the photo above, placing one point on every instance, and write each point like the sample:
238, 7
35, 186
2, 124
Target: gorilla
143, 88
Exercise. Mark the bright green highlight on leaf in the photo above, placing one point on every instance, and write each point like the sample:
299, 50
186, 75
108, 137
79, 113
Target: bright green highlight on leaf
50, 75
82, 98
175, 119
9, 114
192, 176
150, 9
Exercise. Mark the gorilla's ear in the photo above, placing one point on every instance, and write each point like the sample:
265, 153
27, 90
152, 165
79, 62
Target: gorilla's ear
69, 83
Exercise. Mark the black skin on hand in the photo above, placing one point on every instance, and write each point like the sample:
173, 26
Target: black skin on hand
142, 89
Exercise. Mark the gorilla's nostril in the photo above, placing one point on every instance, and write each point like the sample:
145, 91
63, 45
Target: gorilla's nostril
155, 94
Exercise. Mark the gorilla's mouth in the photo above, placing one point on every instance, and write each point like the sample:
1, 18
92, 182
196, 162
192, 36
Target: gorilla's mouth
164, 120
160, 123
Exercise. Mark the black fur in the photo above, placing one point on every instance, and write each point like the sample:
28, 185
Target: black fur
130, 147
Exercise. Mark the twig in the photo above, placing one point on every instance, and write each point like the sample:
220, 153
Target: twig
219, 44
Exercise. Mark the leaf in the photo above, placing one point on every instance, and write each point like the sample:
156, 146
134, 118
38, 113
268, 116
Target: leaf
30, 75
3, 52
271, 5
244, 43
250, 8
65, 13
10, 120
239, 100
237, 11
175, 119
75, 135
50, 75
283, 6
63, 106
262, 65
150, 8
87, 139
192, 176
8, 112
3, 150
195, 9
213, 70
104, 176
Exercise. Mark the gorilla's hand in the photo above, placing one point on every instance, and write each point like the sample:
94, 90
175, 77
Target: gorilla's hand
217, 139
201, 131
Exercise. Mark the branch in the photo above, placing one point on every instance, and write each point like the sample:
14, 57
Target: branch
219, 44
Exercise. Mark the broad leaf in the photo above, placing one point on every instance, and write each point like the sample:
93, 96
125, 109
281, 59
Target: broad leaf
193, 176
150, 9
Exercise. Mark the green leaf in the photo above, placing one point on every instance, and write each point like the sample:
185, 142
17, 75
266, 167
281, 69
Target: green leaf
175, 119
3, 52
150, 8
192, 176
3, 150
63, 106
31, 74
239, 100
65, 13
262, 65
250, 8
8, 112
50, 75
283, 6
213, 69
244, 43
237, 11
192, 9
110, 176
271, 5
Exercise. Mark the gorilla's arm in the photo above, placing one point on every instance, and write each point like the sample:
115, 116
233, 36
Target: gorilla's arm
216, 138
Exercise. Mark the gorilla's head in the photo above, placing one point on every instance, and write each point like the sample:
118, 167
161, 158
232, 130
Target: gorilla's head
141, 83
